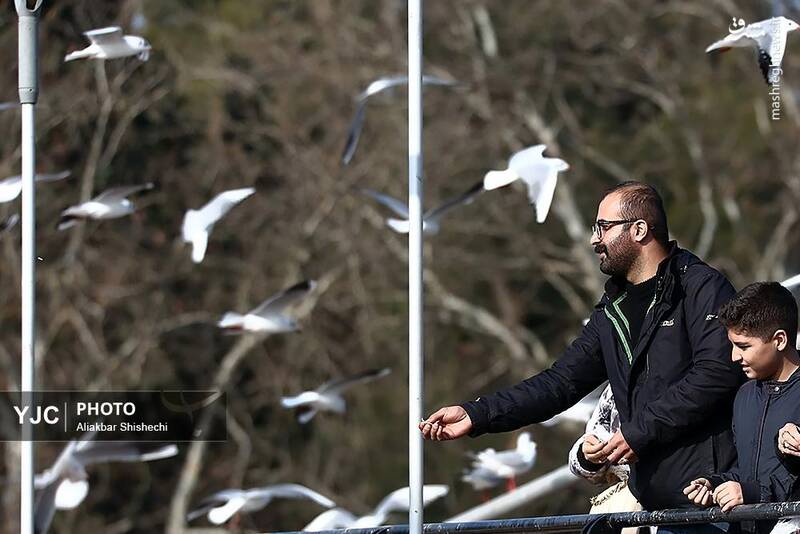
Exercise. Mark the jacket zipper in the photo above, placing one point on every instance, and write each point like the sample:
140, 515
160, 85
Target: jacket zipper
760, 435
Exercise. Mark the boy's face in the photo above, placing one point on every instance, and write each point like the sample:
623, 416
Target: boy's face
759, 359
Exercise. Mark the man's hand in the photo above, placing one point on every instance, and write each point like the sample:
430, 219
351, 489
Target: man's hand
592, 447
450, 422
789, 439
728, 495
617, 451
699, 492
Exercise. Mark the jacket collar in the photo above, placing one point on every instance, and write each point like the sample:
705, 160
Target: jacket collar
668, 266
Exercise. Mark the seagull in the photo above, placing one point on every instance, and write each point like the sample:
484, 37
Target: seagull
223, 505
789, 283
508, 464
109, 43
378, 86
11, 187
197, 224
9, 105
578, 413
767, 36
537, 171
431, 218
268, 317
328, 397
9, 223
65, 484
481, 478
397, 501
109, 204
786, 526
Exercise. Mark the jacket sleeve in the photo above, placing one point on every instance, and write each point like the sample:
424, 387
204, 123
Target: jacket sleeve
575, 374
710, 382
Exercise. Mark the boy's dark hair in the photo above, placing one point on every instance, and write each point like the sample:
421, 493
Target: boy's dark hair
641, 201
761, 309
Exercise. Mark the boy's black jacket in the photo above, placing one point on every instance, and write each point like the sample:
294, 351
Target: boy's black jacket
674, 388
760, 410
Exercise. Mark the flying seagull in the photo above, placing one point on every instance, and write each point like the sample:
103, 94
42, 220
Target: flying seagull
578, 413
378, 86
197, 224
109, 204
431, 218
110, 43
9, 223
767, 36
223, 505
789, 283
11, 187
65, 484
508, 464
539, 173
397, 501
269, 316
328, 397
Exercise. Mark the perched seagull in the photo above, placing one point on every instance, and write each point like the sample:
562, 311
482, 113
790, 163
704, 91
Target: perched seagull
11, 187
537, 171
65, 484
397, 501
9, 223
8, 105
268, 317
223, 505
109, 43
769, 39
328, 397
109, 204
578, 413
197, 224
431, 218
378, 86
508, 464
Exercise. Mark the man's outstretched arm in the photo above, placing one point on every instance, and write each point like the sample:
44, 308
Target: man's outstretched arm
579, 370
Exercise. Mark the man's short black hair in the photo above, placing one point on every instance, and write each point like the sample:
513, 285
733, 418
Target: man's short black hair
761, 309
641, 201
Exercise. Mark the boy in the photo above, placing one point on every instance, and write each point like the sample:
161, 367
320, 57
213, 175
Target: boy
761, 321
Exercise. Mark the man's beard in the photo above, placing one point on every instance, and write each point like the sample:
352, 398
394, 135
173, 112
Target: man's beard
621, 254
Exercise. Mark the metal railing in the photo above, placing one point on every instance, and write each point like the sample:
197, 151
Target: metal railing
574, 523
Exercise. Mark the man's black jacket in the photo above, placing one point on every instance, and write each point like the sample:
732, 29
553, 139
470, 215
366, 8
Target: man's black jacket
760, 410
674, 387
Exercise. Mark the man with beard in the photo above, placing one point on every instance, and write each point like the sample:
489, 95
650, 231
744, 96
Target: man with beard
655, 337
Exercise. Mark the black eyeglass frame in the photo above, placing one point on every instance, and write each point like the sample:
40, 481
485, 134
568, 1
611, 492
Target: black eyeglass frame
602, 226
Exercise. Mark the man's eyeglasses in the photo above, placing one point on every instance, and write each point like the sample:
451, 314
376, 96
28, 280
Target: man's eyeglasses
601, 225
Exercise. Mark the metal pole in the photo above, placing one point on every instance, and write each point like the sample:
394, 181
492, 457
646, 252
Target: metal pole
415, 195
28, 11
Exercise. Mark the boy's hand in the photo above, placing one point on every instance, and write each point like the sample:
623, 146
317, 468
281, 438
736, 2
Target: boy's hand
789, 439
592, 447
728, 495
699, 492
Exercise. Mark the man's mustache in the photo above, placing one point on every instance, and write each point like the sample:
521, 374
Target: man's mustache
598, 249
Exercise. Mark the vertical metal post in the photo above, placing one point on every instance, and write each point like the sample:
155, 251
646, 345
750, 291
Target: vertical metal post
28, 11
415, 288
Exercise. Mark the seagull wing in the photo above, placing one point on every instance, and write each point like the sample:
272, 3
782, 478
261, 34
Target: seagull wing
115, 194
121, 451
791, 282
44, 508
331, 519
390, 202
105, 36
354, 132
222, 204
398, 500
214, 500
291, 491
340, 384
52, 177
435, 80
288, 296
464, 198
546, 188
